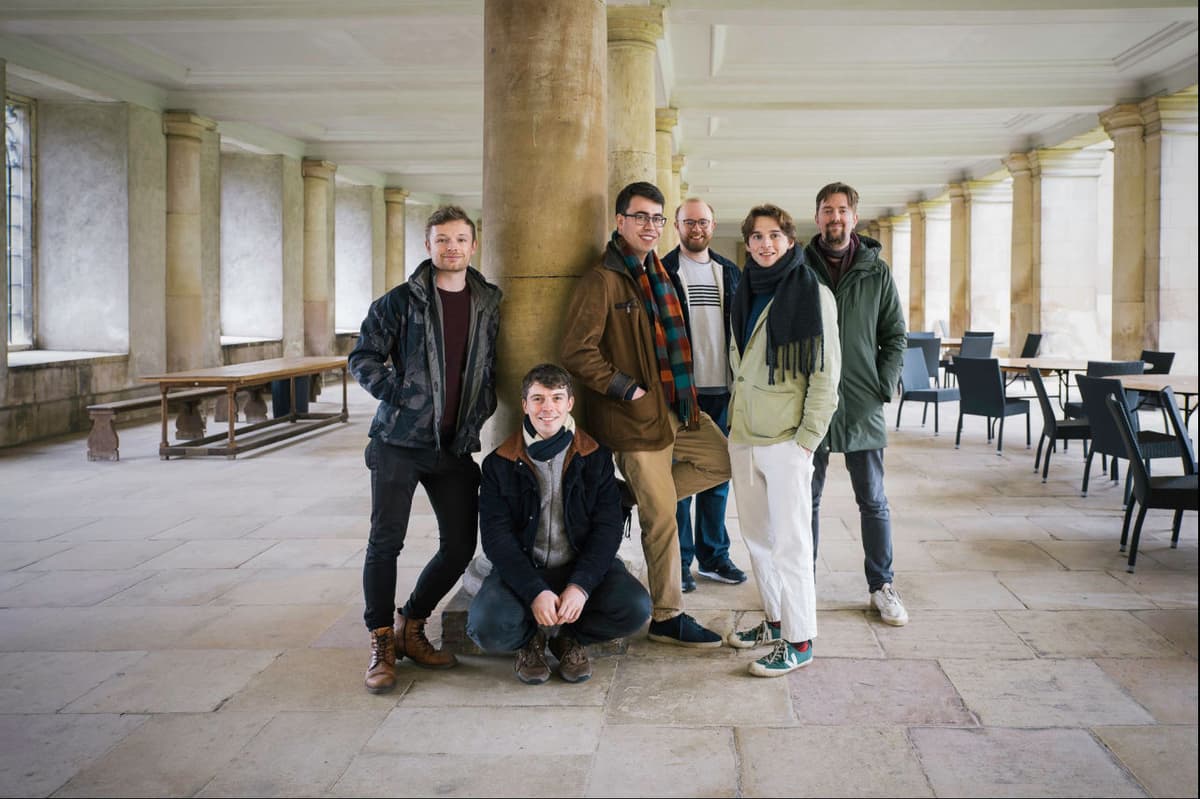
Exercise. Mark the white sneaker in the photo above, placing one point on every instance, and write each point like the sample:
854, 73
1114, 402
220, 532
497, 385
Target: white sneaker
887, 602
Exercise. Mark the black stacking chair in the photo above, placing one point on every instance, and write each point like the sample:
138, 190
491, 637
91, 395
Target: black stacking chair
931, 348
921, 334
1166, 398
1033, 344
914, 385
1177, 493
1053, 428
1106, 439
982, 394
974, 345
1160, 364
1074, 410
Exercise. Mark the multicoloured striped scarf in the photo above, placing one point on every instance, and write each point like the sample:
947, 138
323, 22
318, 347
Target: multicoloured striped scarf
671, 345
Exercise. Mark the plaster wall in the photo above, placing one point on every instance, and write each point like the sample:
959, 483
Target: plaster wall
1070, 255
353, 255
937, 264
251, 245
991, 269
83, 227
1104, 249
1177, 247
210, 245
901, 242
415, 217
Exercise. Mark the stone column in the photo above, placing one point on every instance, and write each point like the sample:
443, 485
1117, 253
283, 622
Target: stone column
937, 261
916, 269
545, 177
293, 257
396, 221
677, 163
665, 120
1067, 190
1171, 230
901, 234
1123, 124
193, 330
1025, 308
989, 260
632, 34
960, 261
318, 257
883, 233
872, 229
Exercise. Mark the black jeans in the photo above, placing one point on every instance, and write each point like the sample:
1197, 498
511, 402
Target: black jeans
866, 476
452, 484
499, 621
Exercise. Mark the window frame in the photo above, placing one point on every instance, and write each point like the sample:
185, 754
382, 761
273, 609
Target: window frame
30, 105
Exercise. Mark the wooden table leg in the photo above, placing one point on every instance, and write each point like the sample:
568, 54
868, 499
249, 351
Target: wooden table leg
345, 407
231, 393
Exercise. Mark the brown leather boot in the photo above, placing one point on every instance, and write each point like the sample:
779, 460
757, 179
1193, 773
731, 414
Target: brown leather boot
412, 643
381, 673
573, 662
530, 666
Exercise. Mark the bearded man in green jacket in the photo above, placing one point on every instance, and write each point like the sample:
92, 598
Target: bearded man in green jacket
871, 324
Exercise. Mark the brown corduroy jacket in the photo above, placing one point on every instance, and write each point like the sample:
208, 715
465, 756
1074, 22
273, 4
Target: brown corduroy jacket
608, 345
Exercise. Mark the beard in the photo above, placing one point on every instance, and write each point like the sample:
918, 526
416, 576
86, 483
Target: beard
695, 246
836, 241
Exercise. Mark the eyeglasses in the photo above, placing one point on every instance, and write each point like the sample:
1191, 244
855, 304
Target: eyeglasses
658, 220
700, 223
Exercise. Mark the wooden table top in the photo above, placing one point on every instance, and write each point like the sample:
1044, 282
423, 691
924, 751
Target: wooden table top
250, 373
1049, 364
1180, 384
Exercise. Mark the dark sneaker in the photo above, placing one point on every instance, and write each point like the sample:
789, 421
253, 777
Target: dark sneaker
573, 662
762, 635
531, 666
688, 582
683, 630
783, 659
725, 573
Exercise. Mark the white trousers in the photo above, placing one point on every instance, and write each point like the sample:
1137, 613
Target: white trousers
773, 486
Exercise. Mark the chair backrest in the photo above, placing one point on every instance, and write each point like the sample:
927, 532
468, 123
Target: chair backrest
975, 347
980, 386
941, 329
921, 334
978, 333
1049, 420
913, 374
932, 349
1166, 399
1110, 368
1033, 343
1106, 440
1160, 362
1118, 414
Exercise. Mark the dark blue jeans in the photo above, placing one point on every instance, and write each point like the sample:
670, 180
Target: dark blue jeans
452, 484
710, 545
866, 475
499, 621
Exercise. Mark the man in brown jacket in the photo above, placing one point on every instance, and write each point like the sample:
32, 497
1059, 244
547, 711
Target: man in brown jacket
626, 341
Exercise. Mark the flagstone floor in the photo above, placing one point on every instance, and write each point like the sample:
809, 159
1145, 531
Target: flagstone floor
193, 627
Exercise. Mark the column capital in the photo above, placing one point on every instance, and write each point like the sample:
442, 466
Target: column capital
186, 124
665, 119
988, 191
677, 163
915, 210
1174, 114
1018, 164
392, 195
884, 222
935, 209
1067, 163
636, 24
316, 168
1122, 119
957, 192
902, 222
683, 190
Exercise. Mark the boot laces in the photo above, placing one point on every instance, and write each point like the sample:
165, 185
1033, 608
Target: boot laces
381, 647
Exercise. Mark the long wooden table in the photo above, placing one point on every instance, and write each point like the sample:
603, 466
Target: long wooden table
1183, 386
242, 376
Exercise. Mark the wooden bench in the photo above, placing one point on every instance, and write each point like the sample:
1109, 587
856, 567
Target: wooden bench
103, 441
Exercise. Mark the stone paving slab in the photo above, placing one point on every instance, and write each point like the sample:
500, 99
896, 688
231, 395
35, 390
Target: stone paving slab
179, 587
989, 556
45, 682
1019, 763
847, 556
305, 587
952, 634
125, 527
958, 590
313, 679
18, 554
40, 528
195, 681
844, 634
1163, 759
209, 554
488, 680
838, 691
199, 528
676, 762
1087, 633
264, 627
310, 554
69, 589
378, 774
1166, 589
40, 753
1074, 591
1096, 556
104, 555
1042, 693
172, 754
1167, 687
320, 524
829, 761
549, 732
985, 527
1180, 627
297, 754
99, 628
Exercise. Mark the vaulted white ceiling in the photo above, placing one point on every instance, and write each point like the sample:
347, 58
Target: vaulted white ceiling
775, 98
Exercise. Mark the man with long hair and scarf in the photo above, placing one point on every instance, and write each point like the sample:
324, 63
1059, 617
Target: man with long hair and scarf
786, 363
626, 341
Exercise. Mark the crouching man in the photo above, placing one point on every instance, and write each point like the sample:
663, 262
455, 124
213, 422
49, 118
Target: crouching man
551, 521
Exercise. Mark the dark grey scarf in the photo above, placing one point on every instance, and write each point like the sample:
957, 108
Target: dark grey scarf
795, 334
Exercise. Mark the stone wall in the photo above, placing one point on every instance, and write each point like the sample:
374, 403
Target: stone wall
353, 255
251, 245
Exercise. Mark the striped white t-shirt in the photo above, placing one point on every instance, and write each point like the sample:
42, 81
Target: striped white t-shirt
708, 334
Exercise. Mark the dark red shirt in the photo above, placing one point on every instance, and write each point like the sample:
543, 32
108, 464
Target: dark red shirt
456, 327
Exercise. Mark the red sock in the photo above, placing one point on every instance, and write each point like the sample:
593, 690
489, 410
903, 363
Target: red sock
774, 625
802, 646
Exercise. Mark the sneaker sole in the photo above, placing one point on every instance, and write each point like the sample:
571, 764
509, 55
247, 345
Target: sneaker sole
736, 644
716, 578
584, 678
893, 621
666, 639
776, 672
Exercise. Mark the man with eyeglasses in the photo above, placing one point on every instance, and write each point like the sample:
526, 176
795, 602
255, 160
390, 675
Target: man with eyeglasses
709, 283
626, 340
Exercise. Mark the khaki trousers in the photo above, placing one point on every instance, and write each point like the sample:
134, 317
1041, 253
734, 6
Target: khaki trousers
696, 461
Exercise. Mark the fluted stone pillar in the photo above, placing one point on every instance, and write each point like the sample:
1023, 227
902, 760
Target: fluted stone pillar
544, 177
960, 261
1171, 230
937, 261
916, 269
677, 164
632, 34
988, 207
1025, 308
1123, 124
901, 253
318, 257
883, 233
192, 314
665, 120
396, 220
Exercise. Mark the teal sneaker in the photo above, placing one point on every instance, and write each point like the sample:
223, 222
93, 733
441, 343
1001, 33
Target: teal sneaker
762, 635
784, 658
